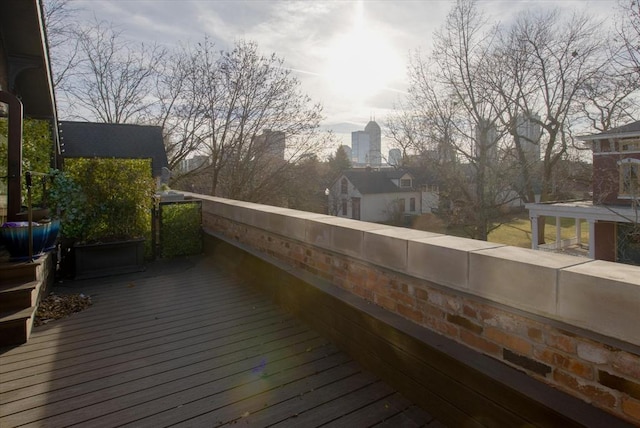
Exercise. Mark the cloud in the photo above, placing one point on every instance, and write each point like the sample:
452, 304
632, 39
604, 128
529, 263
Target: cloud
317, 39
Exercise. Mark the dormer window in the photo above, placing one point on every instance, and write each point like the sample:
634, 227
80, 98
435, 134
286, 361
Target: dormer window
629, 177
405, 182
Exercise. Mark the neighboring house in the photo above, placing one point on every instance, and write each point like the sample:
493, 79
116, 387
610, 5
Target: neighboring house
26, 89
613, 213
426, 180
114, 140
374, 195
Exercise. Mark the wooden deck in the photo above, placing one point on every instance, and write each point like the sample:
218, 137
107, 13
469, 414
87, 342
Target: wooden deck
184, 344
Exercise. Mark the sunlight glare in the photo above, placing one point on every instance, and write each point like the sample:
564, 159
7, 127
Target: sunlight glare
361, 62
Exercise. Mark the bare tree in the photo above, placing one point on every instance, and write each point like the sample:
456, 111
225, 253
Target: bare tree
178, 112
611, 97
245, 112
62, 40
456, 103
628, 33
561, 56
114, 79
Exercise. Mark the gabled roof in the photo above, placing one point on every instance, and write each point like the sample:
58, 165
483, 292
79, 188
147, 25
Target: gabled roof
114, 140
629, 130
368, 181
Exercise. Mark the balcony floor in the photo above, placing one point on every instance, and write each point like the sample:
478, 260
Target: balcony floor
184, 344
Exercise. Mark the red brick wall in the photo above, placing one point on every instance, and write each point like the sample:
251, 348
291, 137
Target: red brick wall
606, 178
606, 376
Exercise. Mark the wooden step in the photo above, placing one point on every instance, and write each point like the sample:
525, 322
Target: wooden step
16, 296
14, 272
22, 285
15, 326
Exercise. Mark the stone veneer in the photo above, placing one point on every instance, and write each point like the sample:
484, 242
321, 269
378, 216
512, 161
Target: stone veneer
570, 322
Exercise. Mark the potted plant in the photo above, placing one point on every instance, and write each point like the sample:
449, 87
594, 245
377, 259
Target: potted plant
34, 232
107, 214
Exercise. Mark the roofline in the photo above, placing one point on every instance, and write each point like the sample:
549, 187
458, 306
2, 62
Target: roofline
47, 64
605, 136
621, 214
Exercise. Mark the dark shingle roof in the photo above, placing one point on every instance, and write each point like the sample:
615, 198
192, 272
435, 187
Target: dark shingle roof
629, 130
114, 140
369, 181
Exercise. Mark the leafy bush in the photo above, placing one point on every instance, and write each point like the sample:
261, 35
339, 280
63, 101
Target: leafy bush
118, 197
37, 149
67, 202
180, 232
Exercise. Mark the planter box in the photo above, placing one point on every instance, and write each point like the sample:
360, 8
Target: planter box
112, 258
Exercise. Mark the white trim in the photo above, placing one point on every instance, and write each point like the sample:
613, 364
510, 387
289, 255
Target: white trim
628, 160
585, 210
616, 152
592, 239
629, 134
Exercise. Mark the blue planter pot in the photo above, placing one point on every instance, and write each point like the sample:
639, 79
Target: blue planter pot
15, 237
52, 236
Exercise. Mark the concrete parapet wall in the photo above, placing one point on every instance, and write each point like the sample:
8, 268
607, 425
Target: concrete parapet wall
570, 322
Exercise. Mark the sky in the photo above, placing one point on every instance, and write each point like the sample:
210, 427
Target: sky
351, 56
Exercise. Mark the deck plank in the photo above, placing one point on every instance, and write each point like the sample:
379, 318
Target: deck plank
189, 346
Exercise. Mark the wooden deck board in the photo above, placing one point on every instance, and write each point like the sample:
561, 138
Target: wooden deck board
191, 347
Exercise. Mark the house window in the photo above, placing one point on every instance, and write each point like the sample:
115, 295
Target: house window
630, 146
344, 186
405, 182
412, 204
630, 177
355, 208
401, 205
344, 207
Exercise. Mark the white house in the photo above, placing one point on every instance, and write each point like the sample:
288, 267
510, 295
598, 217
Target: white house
374, 195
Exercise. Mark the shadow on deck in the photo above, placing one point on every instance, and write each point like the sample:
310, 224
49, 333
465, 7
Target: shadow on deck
185, 344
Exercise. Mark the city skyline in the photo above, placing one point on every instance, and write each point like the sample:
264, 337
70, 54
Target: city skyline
350, 56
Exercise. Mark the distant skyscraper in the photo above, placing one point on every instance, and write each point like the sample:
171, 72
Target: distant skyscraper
529, 131
360, 144
395, 157
366, 146
190, 164
487, 136
375, 142
272, 142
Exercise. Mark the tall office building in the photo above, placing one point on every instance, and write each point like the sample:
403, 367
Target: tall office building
487, 140
271, 144
375, 141
530, 132
395, 157
366, 146
360, 143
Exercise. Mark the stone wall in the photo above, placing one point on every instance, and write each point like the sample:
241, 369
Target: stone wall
570, 322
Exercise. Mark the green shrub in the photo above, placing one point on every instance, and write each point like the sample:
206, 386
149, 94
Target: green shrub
118, 197
67, 202
180, 232
37, 150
